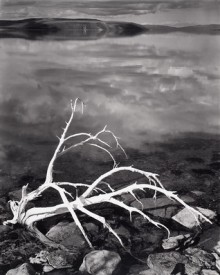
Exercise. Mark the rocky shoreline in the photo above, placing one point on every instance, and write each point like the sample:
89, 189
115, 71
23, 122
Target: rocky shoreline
189, 250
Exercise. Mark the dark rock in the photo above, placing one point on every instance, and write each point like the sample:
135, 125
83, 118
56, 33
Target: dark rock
91, 227
195, 160
24, 269
127, 198
146, 241
100, 262
210, 239
4, 229
215, 165
15, 195
123, 231
201, 172
162, 206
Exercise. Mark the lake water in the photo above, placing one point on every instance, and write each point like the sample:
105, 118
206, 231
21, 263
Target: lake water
158, 92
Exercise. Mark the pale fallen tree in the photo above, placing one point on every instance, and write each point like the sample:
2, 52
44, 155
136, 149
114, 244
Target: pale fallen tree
30, 217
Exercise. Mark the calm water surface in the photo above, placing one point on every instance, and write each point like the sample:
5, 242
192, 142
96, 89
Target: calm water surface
159, 93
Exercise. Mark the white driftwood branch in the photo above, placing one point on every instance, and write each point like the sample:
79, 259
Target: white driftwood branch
70, 204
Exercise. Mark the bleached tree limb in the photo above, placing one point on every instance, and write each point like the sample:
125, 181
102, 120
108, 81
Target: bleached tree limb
30, 217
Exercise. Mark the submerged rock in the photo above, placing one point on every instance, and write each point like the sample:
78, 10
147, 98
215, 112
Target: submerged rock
100, 262
24, 269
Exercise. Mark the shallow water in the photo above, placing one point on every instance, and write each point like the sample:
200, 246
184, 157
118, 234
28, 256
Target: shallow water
158, 92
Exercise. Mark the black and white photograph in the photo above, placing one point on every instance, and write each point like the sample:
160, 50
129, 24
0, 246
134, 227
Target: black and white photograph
109, 137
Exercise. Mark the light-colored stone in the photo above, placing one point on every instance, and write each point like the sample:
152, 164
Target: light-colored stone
67, 234
217, 247
218, 264
173, 242
24, 269
187, 219
209, 272
100, 262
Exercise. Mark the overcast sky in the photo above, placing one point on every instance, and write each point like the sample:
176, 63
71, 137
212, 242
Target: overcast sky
157, 11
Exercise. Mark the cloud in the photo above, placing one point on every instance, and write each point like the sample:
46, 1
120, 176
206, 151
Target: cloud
97, 7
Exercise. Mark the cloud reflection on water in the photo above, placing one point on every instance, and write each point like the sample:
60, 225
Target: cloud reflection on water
142, 88
146, 89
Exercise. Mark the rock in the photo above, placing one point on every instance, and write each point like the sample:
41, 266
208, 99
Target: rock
91, 227
209, 272
166, 213
67, 234
191, 263
141, 270
162, 206
147, 272
4, 229
15, 195
187, 219
174, 242
56, 259
218, 264
210, 239
24, 269
127, 198
165, 263
100, 262
198, 193
200, 257
151, 203
217, 248
123, 231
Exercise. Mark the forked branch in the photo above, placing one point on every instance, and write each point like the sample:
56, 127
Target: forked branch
79, 202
